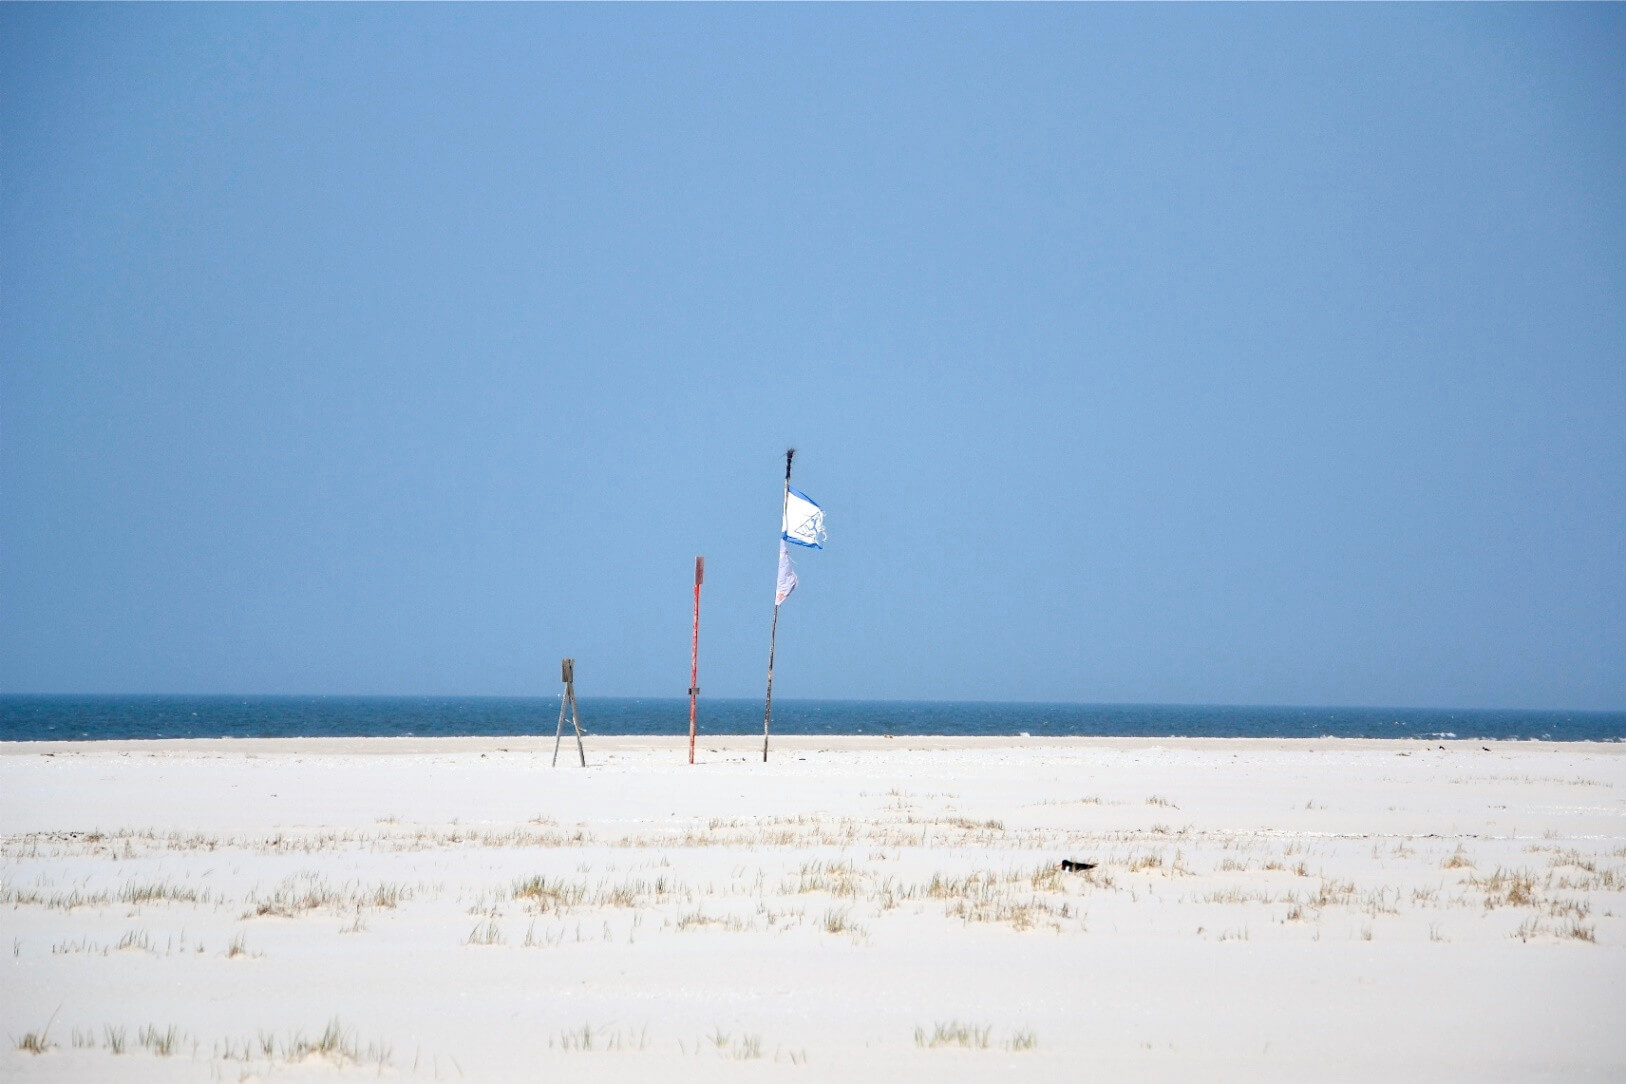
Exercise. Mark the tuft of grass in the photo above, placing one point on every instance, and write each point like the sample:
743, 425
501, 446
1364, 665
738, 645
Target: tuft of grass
1457, 859
749, 1047
162, 1043
155, 892
113, 1039
969, 825
136, 941
486, 933
555, 895
335, 1044
38, 1042
954, 1033
1333, 893
694, 918
294, 896
389, 895
577, 1039
1515, 888
1047, 878
1022, 1040
839, 879
332, 1039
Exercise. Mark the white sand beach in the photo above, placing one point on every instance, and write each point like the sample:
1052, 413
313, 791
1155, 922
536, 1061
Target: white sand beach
857, 908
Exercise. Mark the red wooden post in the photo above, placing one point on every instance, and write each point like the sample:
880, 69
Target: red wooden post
694, 652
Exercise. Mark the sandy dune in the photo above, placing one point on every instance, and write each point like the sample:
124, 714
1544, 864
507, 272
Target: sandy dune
859, 908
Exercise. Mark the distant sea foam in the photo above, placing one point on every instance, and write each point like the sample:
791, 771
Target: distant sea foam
75, 718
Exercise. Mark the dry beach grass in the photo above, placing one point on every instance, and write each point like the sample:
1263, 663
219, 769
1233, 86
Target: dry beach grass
867, 907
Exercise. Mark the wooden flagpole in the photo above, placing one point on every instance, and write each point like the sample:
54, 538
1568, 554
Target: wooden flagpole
694, 652
773, 636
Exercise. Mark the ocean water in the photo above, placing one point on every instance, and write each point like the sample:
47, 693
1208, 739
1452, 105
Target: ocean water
58, 718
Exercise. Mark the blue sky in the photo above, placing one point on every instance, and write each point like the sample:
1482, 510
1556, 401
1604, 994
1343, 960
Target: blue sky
1223, 354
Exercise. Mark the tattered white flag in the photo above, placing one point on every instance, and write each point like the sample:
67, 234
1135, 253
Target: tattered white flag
804, 521
787, 576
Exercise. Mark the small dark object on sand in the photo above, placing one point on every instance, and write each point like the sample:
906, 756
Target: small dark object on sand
1068, 865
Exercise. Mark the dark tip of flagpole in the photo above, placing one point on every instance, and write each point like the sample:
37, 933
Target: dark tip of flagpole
790, 453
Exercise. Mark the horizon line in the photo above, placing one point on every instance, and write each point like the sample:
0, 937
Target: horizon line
834, 699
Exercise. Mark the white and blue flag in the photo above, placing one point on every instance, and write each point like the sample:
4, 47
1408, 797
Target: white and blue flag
804, 522
787, 576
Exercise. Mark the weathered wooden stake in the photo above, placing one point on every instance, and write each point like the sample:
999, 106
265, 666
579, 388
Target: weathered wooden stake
567, 674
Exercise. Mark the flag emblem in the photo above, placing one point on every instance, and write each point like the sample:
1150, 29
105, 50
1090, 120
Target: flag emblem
804, 521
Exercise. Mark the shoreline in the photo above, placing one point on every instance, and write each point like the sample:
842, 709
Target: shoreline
789, 743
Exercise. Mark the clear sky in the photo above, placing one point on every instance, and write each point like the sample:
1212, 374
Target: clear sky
1223, 354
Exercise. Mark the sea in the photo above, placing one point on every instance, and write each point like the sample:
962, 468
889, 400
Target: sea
95, 718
